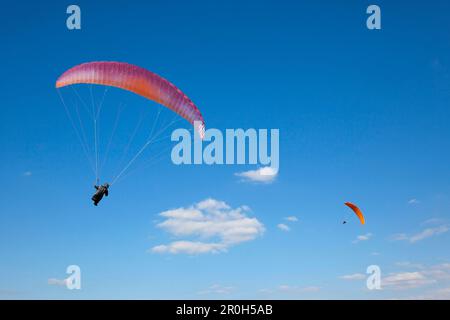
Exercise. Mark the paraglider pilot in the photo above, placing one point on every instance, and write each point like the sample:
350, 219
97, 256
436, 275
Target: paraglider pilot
101, 191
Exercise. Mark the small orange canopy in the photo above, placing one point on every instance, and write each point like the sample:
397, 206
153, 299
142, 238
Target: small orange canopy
357, 211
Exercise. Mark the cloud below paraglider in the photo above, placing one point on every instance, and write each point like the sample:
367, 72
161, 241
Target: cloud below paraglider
283, 227
291, 219
419, 275
363, 237
412, 276
354, 276
57, 282
213, 224
189, 247
424, 234
406, 280
261, 175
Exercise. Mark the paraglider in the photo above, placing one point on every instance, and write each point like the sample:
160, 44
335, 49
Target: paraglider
101, 191
357, 211
134, 79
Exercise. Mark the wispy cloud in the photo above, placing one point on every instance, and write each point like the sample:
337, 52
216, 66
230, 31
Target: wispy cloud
363, 237
291, 219
217, 289
421, 276
57, 282
406, 280
437, 294
354, 276
424, 234
189, 247
407, 264
211, 220
399, 237
439, 272
433, 221
443, 293
283, 227
261, 175
413, 276
290, 289
27, 174
413, 201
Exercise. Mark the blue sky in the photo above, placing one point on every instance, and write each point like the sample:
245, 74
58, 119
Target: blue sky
362, 117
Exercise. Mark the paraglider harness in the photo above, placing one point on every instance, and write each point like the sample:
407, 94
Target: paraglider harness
101, 191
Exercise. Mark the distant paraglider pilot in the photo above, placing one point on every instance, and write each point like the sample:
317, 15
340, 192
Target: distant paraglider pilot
101, 191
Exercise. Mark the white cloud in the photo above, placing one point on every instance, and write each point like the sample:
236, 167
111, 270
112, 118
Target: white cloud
413, 201
444, 266
418, 276
407, 264
57, 282
189, 247
429, 232
406, 280
443, 293
354, 276
422, 276
27, 174
183, 214
263, 175
399, 237
213, 205
217, 290
283, 227
426, 233
209, 219
433, 221
440, 294
363, 237
439, 272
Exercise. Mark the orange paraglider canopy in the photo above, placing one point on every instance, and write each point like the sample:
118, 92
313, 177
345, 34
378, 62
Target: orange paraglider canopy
357, 211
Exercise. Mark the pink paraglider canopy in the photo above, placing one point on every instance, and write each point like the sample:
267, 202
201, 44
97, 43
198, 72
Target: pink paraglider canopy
138, 80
